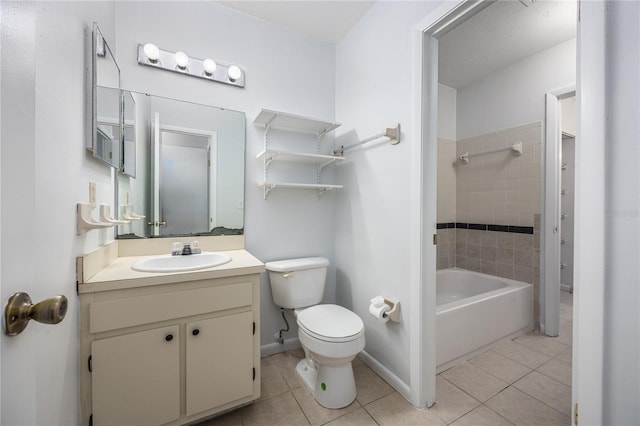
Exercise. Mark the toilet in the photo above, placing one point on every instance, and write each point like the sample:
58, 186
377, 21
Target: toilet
331, 335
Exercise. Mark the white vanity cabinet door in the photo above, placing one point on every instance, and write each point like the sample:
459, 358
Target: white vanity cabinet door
219, 361
136, 378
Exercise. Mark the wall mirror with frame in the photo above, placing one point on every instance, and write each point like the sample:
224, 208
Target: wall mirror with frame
189, 169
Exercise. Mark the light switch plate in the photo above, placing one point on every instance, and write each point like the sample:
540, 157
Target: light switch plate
92, 194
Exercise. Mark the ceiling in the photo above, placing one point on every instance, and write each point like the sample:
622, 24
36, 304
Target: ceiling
502, 34
498, 36
326, 21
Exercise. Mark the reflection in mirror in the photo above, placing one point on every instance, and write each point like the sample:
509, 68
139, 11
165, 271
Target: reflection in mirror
129, 133
189, 162
106, 102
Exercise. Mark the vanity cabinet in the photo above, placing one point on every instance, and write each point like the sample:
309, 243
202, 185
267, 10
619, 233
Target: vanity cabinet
136, 378
169, 353
228, 341
301, 125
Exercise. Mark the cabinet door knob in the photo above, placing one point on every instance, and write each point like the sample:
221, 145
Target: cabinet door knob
168, 337
195, 332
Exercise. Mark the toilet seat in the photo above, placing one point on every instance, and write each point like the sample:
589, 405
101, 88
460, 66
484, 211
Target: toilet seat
330, 323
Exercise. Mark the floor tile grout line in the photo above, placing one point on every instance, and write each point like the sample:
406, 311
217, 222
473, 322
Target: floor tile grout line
502, 390
460, 416
542, 402
552, 378
534, 349
531, 396
519, 363
370, 414
301, 409
467, 393
378, 398
491, 374
498, 414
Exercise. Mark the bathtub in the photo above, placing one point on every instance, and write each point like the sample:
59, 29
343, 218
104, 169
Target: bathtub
474, 311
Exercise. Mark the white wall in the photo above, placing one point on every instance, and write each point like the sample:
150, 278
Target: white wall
447, 97
568, 115
45, 171
621, 388
372, 234
515, 95
287, 224
447, 114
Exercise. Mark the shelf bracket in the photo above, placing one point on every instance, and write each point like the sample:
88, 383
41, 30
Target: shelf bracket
269, 159
323, 191
326, 163
267, 188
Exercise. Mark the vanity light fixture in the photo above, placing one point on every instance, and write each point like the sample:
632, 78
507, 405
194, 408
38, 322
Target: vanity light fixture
150, 55
152, 52
234, 73
209, 67
182, 60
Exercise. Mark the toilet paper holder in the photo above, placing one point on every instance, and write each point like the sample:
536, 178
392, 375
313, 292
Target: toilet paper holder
394, 312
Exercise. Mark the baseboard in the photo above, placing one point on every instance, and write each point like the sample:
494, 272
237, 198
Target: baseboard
275, 347
386, 374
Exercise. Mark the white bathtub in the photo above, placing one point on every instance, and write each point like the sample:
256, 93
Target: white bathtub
476, 310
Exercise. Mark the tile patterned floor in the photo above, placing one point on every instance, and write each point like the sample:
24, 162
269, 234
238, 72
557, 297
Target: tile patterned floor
526, 381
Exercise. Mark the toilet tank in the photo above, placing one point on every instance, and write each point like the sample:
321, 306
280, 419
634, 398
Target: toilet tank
297, 283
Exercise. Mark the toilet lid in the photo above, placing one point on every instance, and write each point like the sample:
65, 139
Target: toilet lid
329, 322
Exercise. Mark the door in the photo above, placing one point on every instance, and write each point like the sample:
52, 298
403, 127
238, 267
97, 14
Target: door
136, 378
184, 175
19, 354
219, 361
567, 177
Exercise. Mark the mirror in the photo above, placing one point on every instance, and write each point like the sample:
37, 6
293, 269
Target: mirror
129, 134
107, 104
189, 169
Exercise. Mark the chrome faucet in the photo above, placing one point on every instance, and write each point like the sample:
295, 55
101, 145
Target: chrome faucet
180, 249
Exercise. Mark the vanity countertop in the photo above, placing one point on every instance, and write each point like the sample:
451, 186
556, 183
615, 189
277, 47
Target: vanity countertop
119, 275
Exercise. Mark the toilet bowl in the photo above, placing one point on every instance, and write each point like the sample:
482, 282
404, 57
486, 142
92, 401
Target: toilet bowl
330, 335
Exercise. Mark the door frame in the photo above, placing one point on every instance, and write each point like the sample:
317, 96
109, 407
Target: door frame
590, 195
589, 207
550, 222
425, 34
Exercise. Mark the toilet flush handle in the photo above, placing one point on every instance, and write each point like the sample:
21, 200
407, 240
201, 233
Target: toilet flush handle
288, 274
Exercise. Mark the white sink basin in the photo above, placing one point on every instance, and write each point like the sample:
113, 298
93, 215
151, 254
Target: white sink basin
191, 262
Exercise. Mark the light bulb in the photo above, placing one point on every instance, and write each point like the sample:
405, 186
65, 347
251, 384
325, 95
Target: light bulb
152, 52
209, 67
182, 60
234, 73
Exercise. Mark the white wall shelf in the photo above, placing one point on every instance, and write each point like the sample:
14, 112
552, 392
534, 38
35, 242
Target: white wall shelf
320, 187
295, 123
319, 160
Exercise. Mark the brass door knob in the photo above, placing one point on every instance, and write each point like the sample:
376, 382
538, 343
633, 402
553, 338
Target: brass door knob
19, 310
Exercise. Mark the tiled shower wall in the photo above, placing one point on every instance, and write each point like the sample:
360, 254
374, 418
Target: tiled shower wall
501, 188
502, 193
